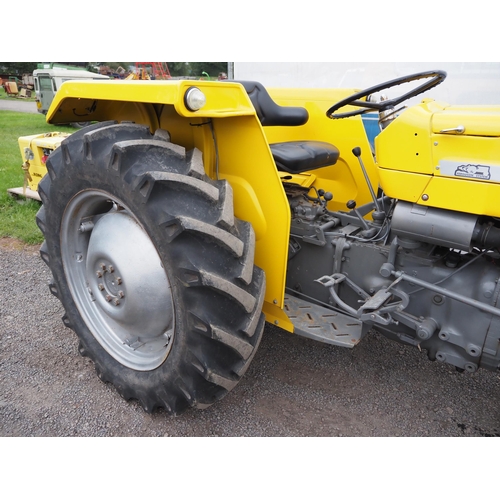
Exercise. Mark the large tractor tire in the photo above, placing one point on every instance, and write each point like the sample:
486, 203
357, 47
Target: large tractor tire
155, 274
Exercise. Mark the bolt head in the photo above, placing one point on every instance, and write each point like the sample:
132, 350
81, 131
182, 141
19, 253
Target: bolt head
108, 298
101, 287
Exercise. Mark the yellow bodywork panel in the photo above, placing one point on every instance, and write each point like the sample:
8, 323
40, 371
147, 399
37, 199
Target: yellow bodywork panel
463, 196
345, 179
34, 151
258, 196
143, 100
236, 147
404, 145
477, 121
443, 156
406, 186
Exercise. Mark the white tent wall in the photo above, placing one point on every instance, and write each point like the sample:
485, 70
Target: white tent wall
467, 82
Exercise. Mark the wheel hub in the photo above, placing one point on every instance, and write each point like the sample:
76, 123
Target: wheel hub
118, 281
110, 284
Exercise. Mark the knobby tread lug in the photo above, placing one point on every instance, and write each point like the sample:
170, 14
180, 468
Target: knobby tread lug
148, 405
81, 349
66, 320
53, 289
40, 219
166, 400
226, 217
251, 327
259, 329
242, 297
224, 238
132, 153
236, 344
213, 377
197, 186
184, 388
65, 153
247, 260
151, 145
96, 142
51, 168
44, 189
195, 163
162, 135
44, 254
244, 349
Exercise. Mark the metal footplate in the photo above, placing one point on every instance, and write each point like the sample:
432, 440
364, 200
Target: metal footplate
322, 324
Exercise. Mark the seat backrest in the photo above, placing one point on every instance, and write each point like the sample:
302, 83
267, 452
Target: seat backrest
269, 113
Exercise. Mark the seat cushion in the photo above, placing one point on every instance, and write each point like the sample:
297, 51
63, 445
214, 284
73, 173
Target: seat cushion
300, 156
269, 113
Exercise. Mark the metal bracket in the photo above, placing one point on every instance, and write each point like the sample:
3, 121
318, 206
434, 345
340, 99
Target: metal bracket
376, 308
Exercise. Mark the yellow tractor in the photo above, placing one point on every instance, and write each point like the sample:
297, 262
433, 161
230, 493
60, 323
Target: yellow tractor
194, 212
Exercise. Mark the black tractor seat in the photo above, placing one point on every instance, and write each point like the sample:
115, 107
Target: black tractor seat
296, 156
299, 156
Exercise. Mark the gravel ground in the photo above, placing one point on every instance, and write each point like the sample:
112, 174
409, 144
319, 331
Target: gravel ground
294, 387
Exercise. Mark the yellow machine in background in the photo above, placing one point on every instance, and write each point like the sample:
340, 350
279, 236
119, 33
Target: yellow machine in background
35, 150
192, 212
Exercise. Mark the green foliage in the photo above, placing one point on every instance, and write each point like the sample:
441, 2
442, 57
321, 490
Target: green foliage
17, 68
178, 68
212, 68
197, 68
115, 65
17, 217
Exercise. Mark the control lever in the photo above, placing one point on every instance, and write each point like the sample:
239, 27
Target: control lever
357, 153
351, 205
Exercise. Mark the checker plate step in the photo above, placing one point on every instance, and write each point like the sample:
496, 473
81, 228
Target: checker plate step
322, 324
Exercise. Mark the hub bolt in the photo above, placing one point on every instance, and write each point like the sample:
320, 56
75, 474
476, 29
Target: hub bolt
108, 298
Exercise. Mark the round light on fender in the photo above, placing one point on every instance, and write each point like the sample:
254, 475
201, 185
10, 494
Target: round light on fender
194, 99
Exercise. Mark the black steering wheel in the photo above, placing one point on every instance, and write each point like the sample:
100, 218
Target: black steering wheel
434, 77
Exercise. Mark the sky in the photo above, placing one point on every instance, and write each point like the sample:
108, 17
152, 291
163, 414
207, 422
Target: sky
222, 30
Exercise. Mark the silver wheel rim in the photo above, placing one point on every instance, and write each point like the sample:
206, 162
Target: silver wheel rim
117, 280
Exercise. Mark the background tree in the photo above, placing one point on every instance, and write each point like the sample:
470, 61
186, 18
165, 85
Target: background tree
179, 68
17, 68
212, 68
195, 69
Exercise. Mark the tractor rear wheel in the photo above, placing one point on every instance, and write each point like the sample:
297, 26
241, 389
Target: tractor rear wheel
155, 274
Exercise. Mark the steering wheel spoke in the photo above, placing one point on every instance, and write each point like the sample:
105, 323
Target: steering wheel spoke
367, 104
434, 78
